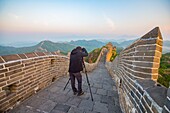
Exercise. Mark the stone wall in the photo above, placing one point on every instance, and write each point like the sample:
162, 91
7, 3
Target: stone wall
135, 71
92, 66
22, 75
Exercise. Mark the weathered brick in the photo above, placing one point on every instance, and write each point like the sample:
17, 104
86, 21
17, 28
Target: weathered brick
1, 66
2, 83
146, 70
141, 91
147, 100
138, 94
3, 105
154, 109
4, 79
12, 64
10, 57
30, 55
2, 95
25, 78
142, 108
2, 75
165, 110
167, 103
30, 70
154, 33
13, 80
3, 70
144, 42
147, 108
17, 75
13, 72
40, 53
22, 56
30, 63
16, 67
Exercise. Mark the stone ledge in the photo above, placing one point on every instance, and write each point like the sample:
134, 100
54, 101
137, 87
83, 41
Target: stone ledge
157, 93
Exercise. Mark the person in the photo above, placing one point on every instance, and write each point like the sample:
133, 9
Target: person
75, 66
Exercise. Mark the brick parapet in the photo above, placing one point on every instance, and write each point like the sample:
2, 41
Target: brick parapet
135, 71
22, 75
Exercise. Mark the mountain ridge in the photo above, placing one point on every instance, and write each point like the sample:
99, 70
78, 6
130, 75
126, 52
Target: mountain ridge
65, 47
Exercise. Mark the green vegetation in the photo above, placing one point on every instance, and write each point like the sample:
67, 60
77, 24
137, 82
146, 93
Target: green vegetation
93, 55
164, 70
114, 54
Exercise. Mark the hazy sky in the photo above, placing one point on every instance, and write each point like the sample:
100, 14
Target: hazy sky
64, 20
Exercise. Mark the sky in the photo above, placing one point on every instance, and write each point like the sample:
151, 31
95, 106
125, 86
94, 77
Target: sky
65, 20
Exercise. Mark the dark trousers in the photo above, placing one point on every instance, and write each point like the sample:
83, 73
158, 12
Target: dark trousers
78, 76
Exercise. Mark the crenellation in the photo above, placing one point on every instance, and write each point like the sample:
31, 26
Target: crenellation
8, 58
137, 68
22, 56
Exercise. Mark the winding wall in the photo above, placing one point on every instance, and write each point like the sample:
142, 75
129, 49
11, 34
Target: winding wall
22, 75
136, 71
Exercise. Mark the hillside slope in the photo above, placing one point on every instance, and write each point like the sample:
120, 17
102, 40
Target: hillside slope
164, 70
43, 46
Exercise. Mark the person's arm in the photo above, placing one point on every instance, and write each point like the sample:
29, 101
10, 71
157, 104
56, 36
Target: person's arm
84, 52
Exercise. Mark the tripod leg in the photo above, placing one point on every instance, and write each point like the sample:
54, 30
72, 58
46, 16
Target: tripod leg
88, 81
66, 84
89, 86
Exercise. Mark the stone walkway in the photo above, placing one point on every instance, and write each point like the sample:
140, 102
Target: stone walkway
54, 100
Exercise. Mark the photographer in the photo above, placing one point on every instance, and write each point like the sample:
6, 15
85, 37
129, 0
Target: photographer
75, 66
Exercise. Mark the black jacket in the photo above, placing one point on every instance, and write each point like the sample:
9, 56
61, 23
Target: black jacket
76, 60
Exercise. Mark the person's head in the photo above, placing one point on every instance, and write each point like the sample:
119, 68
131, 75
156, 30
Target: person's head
78, 48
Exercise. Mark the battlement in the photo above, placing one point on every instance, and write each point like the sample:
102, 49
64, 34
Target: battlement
22, 75
136, 71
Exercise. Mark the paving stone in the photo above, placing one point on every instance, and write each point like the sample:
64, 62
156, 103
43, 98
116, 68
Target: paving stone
93, 90
114, 109
85, 96
35, 101
64, 91
57, 111
55, 89
44, 94
113, 93
107, 87
86, 104
23, 109
75, 110
73, 101
47, 106
96, 85
107, 100
60, 84
54, 100
100, 107
86, 111
62, 107
101, 92
59, 98
96, 97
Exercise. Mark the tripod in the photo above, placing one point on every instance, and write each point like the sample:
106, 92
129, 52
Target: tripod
86, 79
88, 82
